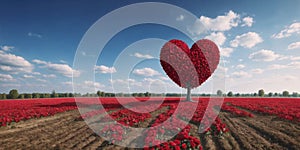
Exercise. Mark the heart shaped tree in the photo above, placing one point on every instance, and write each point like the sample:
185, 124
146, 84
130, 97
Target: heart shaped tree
189, 68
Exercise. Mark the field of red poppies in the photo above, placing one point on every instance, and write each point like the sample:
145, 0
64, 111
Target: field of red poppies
243, 123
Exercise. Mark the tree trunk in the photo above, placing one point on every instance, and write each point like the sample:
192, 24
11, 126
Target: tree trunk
188, 95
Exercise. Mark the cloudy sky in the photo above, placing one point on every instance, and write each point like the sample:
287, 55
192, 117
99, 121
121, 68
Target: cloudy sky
259, 44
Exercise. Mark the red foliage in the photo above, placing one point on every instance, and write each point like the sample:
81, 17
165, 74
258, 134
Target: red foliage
236, 111
286, 108
189, 67
17, 110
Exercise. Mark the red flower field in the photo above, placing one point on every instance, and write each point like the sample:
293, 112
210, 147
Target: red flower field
271, 123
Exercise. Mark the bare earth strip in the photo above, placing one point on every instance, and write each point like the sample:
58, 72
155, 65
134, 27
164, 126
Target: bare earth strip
267, 132
64, 131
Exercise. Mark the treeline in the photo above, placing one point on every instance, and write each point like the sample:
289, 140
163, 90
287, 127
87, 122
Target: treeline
260, 93
14, 94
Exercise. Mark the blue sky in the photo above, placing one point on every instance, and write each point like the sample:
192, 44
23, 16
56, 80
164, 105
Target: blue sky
259, 43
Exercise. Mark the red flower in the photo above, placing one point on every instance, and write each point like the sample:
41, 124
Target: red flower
189, 67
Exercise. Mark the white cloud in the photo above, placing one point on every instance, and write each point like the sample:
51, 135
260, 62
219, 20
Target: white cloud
264, 55
36, 73
123, 83
67, 83
180, 18
240, 66
247, 40
294, 58
257, 71
151, 80
288, 31
240, 74
220, 23
93, 84
63, 61
40, 62
34, 35
226, 51
28, 76
6, 48
290, 78
295, 45
247, 21
139, 55
223, 69
292, 65
6, 68
12, 63
219, 38
6, 77
41, 80
62, 69
49, 75
164, 78
105, 69
146, 72
277, 66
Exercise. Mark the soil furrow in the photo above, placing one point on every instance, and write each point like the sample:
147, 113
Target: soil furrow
274, 136
248, 137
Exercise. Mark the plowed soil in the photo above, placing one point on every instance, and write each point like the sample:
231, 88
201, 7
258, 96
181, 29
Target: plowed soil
65, 131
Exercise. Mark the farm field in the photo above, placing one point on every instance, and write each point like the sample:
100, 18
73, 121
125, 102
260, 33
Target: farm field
243, 123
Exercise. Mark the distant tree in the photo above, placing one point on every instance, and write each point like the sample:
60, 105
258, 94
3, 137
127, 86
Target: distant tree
261, 93
248, 95
47, 95
295, 94
113, 95
21, 96
54, 94
3, 96
77, 95
42, 95
107, 95
61, 94
102, 94
270, 94
147, 94
237, 94
120, 94
285, 93
141, 95
35, 95
219, 93
66, 94
13, 94
28, 95
275, 94
230, 94
99, 93
71, 95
